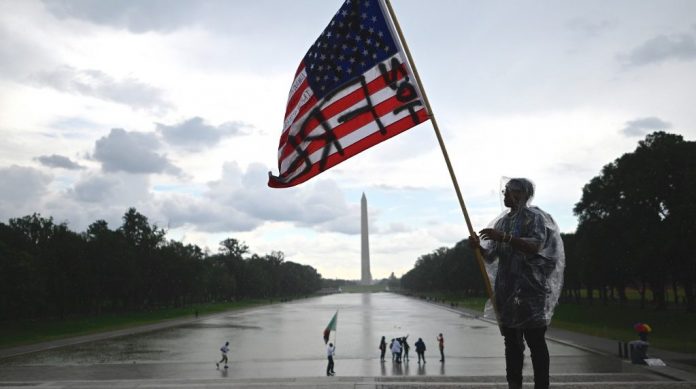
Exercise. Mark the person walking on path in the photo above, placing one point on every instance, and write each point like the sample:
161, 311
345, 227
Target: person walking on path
382, 348
224, 350
525, 244
441, 345
420, 350
396, 350
330, 352
406, 347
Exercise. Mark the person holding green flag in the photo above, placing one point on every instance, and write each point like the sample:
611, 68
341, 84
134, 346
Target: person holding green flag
331, 349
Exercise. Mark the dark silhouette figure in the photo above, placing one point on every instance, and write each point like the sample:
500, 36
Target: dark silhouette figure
382, 348
420, 350
441, 345
406, 347
526, 243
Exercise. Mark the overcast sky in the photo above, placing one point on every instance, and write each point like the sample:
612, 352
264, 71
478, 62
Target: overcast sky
176, 107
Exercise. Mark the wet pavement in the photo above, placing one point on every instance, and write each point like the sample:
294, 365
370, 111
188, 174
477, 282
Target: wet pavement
285, 340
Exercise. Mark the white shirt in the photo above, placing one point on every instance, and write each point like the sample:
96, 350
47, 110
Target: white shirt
330, 351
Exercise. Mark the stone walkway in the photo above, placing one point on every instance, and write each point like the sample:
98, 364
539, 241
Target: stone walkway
608, 370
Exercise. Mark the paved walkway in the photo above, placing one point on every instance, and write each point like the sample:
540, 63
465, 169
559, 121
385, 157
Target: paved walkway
679, 372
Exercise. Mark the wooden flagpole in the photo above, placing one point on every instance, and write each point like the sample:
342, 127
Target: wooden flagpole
477, 252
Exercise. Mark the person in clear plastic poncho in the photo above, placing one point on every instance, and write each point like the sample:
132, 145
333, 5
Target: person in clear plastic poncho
525, 261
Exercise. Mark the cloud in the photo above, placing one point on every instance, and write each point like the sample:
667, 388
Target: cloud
73, 123
17, 52
317, 205
22, 190
132, 152
59, 161
642, 126
680, 47
398, 227
589, 27
95, 83
205, 215
195, 135
121, 189
135, 15
241, 201
22, 184
93, 189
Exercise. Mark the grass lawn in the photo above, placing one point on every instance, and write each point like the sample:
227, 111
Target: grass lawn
672, 329
34, 331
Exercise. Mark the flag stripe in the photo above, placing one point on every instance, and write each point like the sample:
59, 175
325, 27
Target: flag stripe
383, 109
347, 101
393, 129
307, 101
296, 97
368, 129
370, 75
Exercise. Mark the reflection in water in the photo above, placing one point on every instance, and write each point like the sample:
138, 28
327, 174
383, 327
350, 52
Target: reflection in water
396, 369
367, 336
383, 368
442, 368
406, 368
421, 369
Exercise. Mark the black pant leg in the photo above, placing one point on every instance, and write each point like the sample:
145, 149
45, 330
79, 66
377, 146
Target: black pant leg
329, 366
536, 341
514, 356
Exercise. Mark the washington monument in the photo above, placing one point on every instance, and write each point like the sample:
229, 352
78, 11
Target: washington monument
366, 278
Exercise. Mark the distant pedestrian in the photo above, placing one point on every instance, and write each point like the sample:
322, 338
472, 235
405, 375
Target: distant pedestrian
382, 348
224, 350
330, 351
391, 349
420, 350
441, 345
396, 350
406, 347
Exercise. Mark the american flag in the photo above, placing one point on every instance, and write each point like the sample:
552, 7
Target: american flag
353, 89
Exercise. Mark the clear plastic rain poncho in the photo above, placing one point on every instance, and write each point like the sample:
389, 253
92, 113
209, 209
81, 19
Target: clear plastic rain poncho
526, 287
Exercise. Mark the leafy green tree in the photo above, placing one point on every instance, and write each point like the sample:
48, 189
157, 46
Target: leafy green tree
234, 248
633, 217
46, 270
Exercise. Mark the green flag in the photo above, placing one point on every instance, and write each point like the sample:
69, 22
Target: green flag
330, 327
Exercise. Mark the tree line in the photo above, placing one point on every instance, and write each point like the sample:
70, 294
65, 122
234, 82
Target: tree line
636, 230
47, 270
